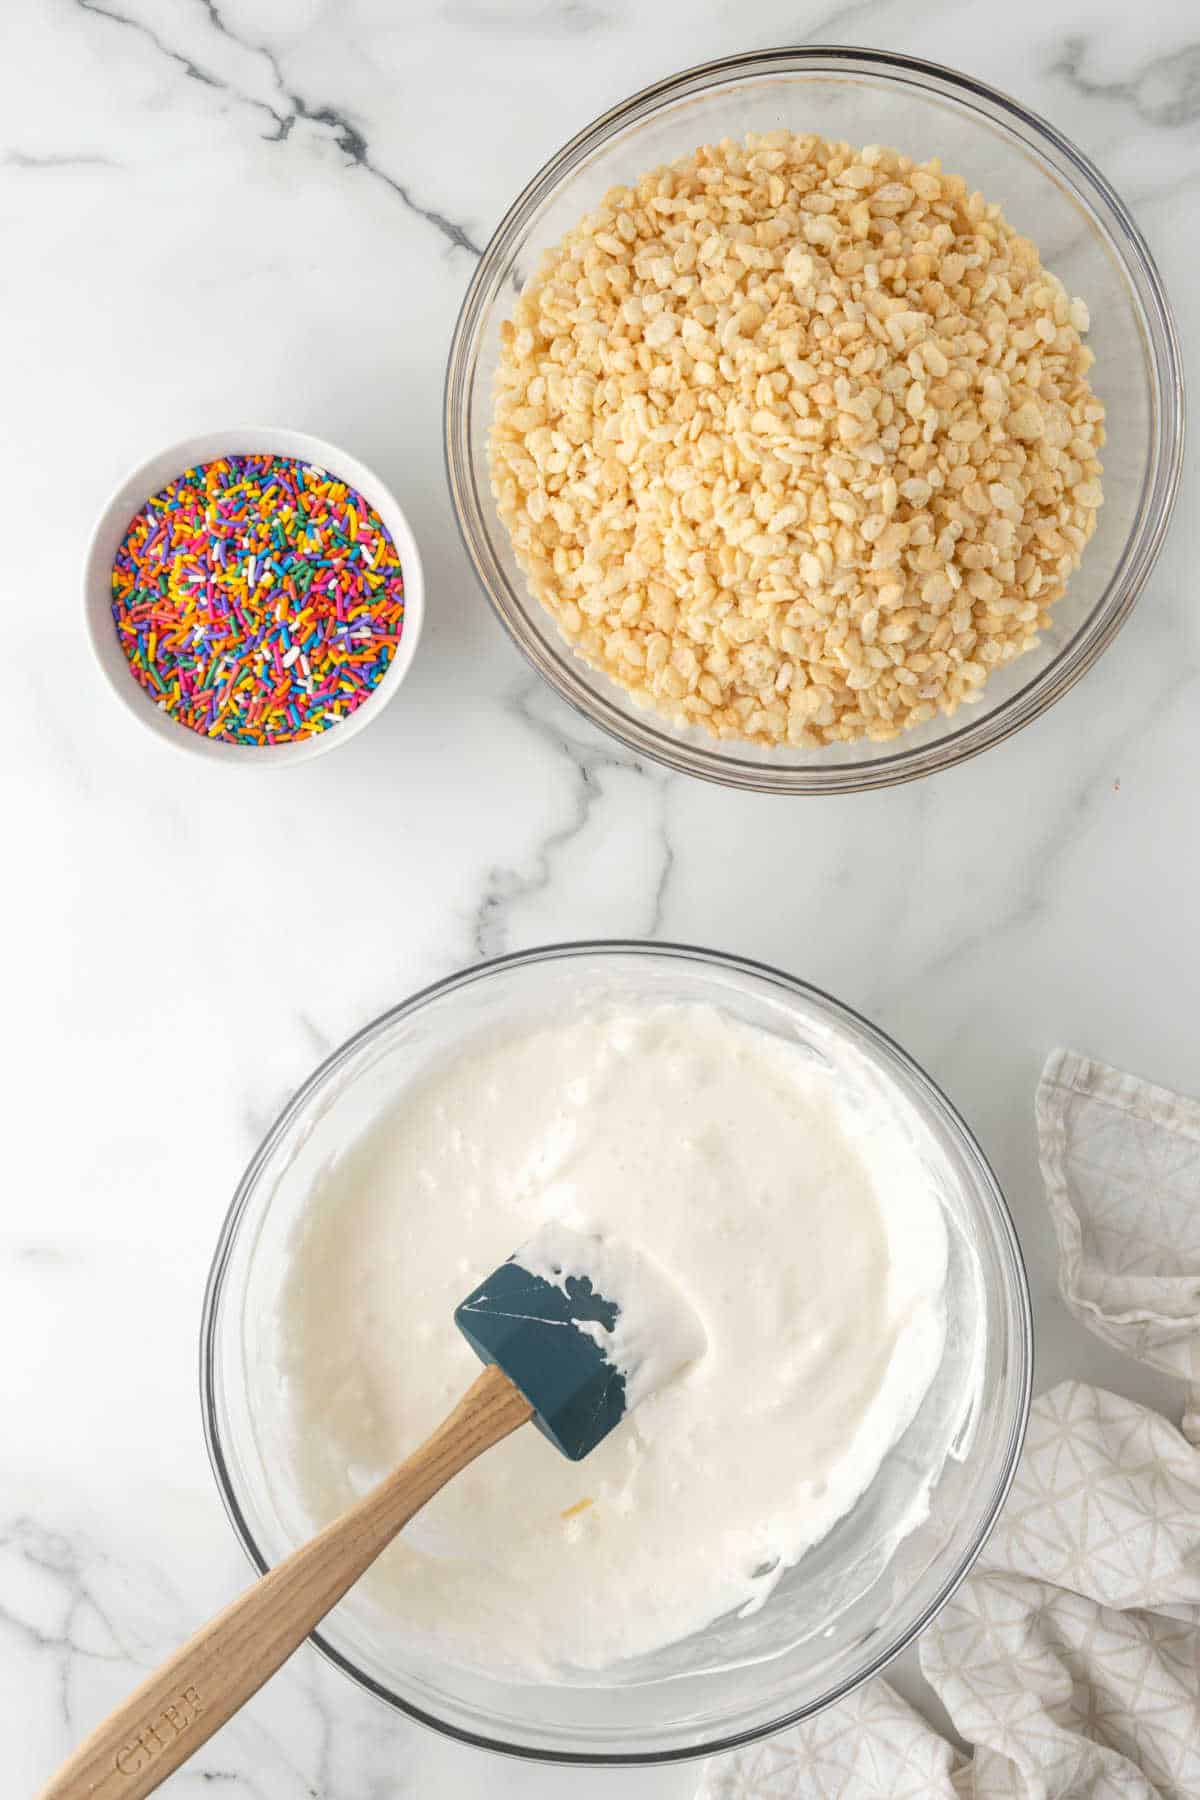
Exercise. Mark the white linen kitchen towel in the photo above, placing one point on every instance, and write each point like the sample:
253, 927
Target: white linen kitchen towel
1070, 1658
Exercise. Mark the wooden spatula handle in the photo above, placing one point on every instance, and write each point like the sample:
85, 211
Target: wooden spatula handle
217, 1670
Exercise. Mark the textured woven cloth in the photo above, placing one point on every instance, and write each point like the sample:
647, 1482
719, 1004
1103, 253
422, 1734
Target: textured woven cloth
1070, 1658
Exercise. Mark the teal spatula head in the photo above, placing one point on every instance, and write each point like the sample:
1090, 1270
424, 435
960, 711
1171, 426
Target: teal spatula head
585, 1327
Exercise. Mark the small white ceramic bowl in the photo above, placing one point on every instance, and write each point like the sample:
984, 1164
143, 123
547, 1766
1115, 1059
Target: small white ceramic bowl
153, 475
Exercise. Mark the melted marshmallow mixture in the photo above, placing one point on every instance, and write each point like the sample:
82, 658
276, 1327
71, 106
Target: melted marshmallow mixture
799, 1228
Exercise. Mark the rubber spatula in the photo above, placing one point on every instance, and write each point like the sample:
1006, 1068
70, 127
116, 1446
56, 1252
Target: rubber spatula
575, 1330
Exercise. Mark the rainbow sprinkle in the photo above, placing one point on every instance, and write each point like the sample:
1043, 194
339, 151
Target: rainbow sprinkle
258, 600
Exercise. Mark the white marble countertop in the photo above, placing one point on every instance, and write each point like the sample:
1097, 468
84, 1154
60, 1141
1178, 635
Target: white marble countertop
229, 210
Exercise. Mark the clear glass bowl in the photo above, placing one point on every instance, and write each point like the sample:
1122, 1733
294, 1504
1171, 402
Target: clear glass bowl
1049, 191
854, 1601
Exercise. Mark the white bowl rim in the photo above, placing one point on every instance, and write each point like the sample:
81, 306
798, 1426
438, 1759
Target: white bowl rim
147, 478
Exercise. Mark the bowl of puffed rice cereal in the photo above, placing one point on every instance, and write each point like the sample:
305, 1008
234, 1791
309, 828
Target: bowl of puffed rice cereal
814, 419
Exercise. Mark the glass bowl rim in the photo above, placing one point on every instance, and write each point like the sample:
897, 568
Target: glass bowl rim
1161, 477
559, 952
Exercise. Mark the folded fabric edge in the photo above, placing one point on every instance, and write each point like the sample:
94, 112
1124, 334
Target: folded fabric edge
1064, 1074
1078, 1074
1068, 1073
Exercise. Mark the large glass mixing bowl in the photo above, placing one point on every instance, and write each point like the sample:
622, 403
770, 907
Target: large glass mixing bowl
1049, 190
849, 1605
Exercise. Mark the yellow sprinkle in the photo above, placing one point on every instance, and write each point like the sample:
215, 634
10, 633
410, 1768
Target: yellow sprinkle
579, 1506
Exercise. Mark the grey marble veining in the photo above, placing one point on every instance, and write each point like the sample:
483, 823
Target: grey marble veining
227, 209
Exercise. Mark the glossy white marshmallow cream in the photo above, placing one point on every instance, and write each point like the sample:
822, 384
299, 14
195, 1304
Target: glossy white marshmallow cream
802, 1231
